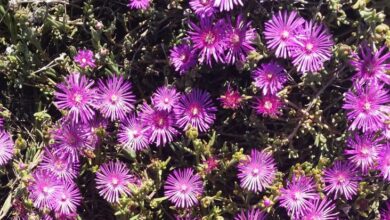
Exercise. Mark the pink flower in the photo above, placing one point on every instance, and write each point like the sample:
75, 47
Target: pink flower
195, 109
183, 187
311, 48
341, 179
115, 98
67, 199
77, 96
296, 196
209, 39
231, 99
84, 58
165, 98
269, 105
257, 172
280, 31
112, 181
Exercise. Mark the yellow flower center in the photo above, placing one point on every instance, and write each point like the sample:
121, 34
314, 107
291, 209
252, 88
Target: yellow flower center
267, 105
309, 47
210, 38
255, 172
285, 34
114, 98
367, 106
160, 122
78, 98
195, 111
115, 181
235, 38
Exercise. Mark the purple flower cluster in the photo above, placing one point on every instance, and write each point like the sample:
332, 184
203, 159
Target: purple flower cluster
87, 110
367, 103
214, 40
158, 122
307, 43
89, 107
368, 106
50, 192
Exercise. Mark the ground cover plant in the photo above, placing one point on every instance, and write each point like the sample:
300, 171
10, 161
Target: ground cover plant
199, 109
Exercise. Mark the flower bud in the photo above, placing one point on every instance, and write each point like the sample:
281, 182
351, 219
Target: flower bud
192, 133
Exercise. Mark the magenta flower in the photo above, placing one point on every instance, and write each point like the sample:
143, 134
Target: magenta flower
371, 66
320, 209
67, 199
59, 164
296, 196
367, 107
209, 39
203, 8
341, 179
6, 147
311, 48
384, 161
115, 98
363, 151
133, 134
165, 98
269, 105
270, 77
195, 109
183, 58
257, 172
251, 214
160, 123
112, 180
239, 40
77, 96
183, 187
281, 30
139, 4
43, 189
73, 139
210, 165
84, 58
231, 99
1, 123
227, 5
